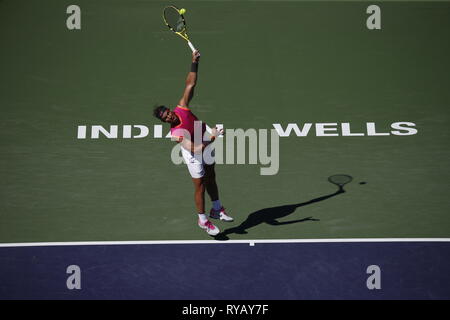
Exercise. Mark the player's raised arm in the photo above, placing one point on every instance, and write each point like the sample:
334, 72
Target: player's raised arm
191, 81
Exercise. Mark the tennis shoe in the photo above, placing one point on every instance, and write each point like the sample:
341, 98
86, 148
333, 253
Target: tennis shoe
220, 214
211, 229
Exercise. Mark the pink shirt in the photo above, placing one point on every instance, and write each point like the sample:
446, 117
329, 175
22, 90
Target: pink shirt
187, 119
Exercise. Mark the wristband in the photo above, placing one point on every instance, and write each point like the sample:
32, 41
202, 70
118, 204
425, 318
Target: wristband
194, 67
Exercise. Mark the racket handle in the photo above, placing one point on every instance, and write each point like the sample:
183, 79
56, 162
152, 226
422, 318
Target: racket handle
191, 46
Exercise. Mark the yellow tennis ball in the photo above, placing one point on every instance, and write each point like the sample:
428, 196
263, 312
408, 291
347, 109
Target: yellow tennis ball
182, 11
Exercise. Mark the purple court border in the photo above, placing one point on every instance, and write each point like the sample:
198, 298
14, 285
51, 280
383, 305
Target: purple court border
228, 271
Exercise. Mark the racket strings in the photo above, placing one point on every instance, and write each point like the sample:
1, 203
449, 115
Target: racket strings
174, 20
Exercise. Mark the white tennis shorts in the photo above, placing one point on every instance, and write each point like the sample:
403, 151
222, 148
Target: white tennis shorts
195, 163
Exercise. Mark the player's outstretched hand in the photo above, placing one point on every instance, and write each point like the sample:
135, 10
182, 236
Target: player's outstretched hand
216, 132
195, 56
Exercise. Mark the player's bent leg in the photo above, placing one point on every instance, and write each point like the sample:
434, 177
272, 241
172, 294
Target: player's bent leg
217, 211
210, 182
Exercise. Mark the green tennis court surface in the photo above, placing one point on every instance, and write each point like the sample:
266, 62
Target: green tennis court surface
263, 63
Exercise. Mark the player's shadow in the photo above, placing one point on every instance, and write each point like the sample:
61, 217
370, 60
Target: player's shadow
270, 216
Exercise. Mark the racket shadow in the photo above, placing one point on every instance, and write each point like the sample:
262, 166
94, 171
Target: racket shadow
271, 215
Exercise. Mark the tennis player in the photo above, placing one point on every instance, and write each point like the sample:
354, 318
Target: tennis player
183, 124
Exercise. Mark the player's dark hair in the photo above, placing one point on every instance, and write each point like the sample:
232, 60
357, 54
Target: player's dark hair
158, 111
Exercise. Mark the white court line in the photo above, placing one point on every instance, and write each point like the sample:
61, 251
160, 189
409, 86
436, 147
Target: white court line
250, 242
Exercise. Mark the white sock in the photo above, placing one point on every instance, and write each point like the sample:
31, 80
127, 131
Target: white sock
202, 217
217, 205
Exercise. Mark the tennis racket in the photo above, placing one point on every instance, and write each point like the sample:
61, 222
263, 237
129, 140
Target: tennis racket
176, 23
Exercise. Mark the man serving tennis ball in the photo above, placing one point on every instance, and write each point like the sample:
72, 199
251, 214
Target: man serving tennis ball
182, 124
